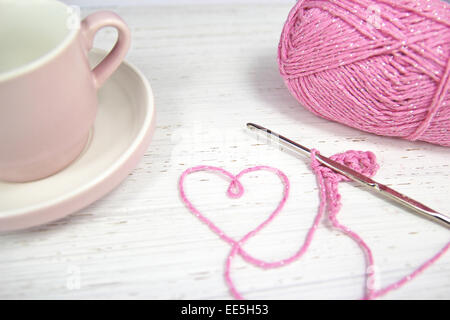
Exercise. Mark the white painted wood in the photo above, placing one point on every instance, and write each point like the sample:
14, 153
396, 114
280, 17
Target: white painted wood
213, 68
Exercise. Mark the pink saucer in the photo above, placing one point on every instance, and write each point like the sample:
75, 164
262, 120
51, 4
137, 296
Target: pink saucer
122, 132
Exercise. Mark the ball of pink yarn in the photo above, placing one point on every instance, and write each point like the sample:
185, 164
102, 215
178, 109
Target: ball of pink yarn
381, 66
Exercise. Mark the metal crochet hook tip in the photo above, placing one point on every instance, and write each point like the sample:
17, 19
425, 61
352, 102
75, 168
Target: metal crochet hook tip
358, 177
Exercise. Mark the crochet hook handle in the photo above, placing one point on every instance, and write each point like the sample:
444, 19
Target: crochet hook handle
386, 191
358, 177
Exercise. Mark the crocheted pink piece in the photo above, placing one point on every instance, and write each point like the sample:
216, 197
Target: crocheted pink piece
381, 66
328, 181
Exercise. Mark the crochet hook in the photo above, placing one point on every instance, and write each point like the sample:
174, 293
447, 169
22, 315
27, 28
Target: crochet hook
358, 177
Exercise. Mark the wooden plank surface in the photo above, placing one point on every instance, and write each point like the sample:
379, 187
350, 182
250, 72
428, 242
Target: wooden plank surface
213, 68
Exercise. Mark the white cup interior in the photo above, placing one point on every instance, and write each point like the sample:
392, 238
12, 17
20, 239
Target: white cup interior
30, 29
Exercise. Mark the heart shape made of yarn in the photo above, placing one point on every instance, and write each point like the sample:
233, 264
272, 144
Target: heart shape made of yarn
328, 180
236, 190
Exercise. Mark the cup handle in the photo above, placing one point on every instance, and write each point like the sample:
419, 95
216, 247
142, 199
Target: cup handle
89, 27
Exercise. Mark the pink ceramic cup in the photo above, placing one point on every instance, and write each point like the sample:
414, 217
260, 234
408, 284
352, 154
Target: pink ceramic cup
48, 92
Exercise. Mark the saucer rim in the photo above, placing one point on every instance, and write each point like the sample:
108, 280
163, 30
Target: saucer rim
15, 219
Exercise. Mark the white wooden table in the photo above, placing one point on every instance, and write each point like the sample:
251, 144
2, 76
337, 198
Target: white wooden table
213, 67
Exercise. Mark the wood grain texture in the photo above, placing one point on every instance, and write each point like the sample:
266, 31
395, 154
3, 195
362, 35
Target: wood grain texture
213, 68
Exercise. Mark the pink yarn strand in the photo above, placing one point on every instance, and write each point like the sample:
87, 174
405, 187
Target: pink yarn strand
327, 181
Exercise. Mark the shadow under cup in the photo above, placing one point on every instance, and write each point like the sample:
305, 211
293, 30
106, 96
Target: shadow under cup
48, 92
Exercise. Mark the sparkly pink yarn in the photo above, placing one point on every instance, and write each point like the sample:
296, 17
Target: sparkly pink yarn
381, 66
328, 180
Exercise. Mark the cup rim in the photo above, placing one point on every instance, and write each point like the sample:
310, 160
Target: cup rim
47, 57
